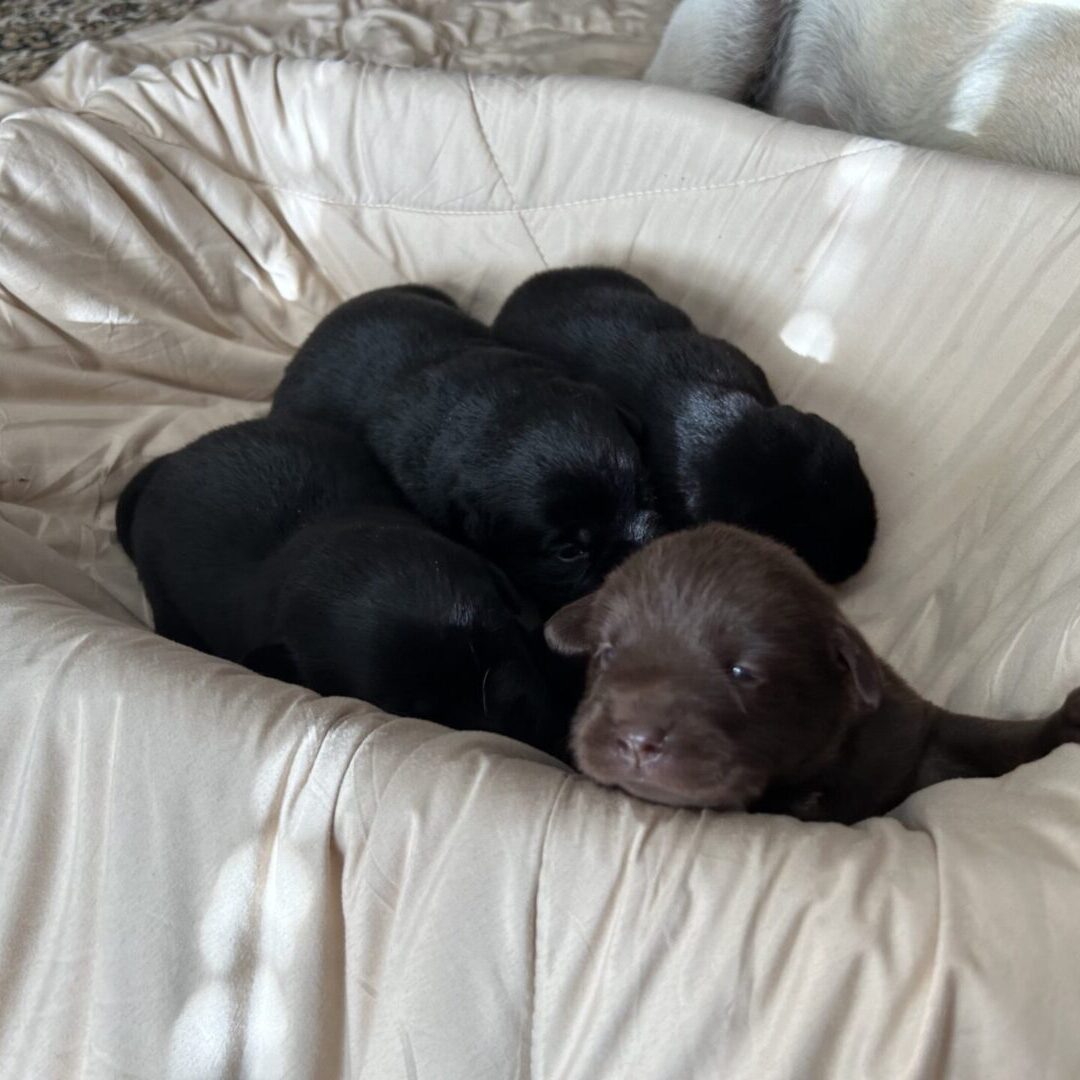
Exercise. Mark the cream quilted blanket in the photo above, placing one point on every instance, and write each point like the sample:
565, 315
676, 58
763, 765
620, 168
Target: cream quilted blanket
208, 874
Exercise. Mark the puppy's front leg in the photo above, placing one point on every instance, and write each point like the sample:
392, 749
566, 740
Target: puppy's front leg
716, 46
964, 746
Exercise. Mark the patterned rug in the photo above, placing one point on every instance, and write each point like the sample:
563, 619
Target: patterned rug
33, 33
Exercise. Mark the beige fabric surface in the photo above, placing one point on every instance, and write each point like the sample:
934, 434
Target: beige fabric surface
541, 37
208, 874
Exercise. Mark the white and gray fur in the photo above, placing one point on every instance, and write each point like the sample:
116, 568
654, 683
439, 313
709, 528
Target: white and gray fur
997, 78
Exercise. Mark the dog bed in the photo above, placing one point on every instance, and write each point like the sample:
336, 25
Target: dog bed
204, 873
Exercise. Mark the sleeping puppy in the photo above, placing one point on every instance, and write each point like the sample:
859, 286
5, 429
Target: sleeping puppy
996, 79
722, 674
719, 446
491, 445
281, 545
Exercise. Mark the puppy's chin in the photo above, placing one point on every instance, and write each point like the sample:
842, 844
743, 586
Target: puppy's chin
716, 801
673, 782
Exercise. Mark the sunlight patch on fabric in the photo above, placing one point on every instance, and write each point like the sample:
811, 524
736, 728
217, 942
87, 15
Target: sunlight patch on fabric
268, 1031
199, 1046
810, 334
223, 926
288, 899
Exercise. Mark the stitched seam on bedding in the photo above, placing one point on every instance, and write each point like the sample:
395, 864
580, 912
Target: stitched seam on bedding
499, 169
647, 193
533, 1074
435, 211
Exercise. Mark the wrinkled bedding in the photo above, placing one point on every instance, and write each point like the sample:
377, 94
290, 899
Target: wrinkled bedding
204, 873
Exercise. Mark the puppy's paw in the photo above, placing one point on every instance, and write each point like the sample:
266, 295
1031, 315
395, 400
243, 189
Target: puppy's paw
1065, 726
1070, 713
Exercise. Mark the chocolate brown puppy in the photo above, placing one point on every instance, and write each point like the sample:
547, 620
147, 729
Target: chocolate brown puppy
722, 674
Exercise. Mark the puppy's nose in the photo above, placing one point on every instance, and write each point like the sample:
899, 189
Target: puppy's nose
642, 744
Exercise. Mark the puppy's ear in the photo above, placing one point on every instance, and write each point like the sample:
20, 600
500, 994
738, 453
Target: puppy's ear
569, 631
858, 659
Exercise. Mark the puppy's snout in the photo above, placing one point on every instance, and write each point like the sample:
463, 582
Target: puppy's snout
641, 744
641, 716
641, 703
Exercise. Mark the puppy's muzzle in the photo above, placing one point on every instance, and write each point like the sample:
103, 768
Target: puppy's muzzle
654, 739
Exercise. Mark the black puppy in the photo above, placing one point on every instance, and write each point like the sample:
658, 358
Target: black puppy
492, 445
281, 545
720, 446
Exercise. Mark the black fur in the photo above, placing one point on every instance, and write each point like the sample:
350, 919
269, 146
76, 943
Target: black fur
492, 445
719, 445
280, 544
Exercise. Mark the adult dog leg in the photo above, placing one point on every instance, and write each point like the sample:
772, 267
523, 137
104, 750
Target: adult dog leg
719, 47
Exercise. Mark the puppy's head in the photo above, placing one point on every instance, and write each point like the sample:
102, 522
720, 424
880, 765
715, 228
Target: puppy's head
579, 503
718, 666
795, 477
418, 626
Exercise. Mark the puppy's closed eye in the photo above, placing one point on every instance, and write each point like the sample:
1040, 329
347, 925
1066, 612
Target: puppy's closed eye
571, 545
570, 552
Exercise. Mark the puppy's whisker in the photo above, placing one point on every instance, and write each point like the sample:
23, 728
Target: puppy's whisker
483, 692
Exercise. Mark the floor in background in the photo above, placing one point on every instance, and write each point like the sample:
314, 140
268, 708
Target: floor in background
33, 33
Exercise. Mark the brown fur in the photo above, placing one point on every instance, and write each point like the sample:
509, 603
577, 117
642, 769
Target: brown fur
722, 674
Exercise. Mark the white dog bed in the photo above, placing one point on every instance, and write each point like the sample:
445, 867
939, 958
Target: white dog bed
208, 874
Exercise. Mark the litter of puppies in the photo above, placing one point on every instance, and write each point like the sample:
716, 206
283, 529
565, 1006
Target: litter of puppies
427, 491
